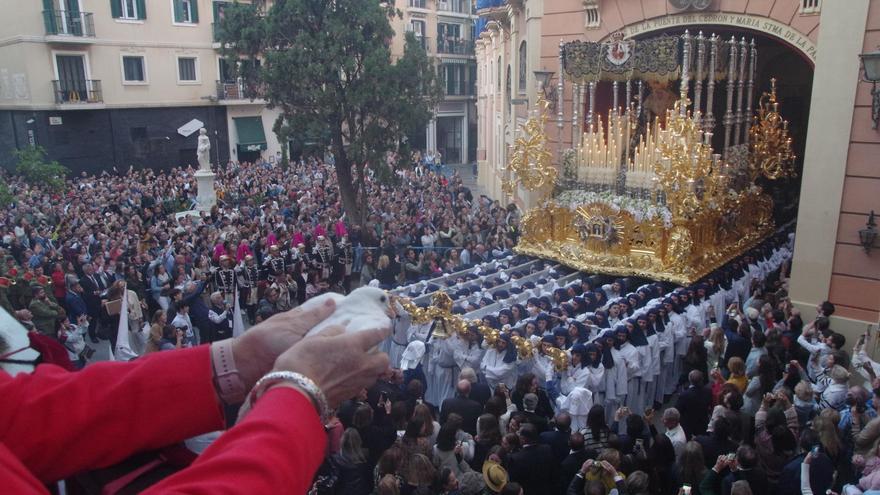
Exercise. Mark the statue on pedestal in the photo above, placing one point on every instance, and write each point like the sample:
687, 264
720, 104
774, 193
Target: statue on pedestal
203, 152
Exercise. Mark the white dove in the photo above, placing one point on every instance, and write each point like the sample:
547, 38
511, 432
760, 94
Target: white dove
365, 308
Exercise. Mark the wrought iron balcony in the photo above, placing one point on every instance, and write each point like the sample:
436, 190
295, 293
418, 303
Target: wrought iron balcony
77, 91
67, 23
459, 88
455, 46
235, 90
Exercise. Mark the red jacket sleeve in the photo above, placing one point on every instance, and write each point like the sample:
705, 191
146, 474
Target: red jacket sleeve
58, 423
276, 449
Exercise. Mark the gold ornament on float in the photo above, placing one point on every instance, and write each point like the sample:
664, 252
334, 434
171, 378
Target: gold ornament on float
449, 324
771, 153
531, 160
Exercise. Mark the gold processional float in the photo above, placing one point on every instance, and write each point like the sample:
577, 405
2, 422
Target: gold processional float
659, 204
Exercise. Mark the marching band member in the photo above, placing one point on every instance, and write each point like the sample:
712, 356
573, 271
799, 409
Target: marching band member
248, 277
322, 257
224, 278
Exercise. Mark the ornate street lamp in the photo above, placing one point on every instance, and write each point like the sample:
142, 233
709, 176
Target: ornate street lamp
871, 67
868, 235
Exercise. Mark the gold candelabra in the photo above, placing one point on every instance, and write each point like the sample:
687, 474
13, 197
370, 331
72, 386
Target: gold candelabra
531, 160
687, 170
771, 152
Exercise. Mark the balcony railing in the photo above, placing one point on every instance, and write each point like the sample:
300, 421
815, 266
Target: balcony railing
424, 42
234, 90
66, 23
418, 4
82, 91
459, 6
455, 46
459, 88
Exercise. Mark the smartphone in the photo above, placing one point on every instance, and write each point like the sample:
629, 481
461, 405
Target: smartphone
731, 457
640, 443
814, 451
383, 397
685, 489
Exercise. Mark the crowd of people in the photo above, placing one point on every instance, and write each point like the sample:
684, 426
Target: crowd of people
277, 237
711, 389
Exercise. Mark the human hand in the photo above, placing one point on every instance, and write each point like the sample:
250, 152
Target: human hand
783, 399
720, 463
586, 466
256, 351
337, 362
808, 458
608, 467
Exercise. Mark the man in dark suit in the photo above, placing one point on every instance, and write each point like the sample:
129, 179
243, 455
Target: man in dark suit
533, 466
558, 438
92, 288
573, 461
530, 403
747, 469
74, 302
462, 405
480, 392
695, 404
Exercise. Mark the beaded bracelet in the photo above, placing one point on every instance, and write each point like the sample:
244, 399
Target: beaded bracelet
303, 382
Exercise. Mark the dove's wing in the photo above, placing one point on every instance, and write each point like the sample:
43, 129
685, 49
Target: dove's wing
318, 301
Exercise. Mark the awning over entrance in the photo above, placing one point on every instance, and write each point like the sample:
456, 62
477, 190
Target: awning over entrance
251, 136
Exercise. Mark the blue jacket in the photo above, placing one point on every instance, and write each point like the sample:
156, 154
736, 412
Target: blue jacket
75, 305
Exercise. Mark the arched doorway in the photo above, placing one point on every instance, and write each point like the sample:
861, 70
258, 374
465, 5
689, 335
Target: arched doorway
790, 66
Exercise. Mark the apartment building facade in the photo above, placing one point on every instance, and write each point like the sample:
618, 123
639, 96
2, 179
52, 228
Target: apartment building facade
120, 83
445, 29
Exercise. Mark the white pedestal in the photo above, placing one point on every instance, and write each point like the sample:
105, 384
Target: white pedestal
206, 197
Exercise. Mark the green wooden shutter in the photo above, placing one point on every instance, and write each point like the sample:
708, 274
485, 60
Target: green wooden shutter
115, 9
142, 9
178, 11
49, 17
194, 5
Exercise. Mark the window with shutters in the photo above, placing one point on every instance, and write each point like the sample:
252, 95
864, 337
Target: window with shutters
128, 10
134, 70
187, 70
185, 11
811, 6
523, 63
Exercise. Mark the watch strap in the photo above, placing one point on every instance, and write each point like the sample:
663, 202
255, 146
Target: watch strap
227, 380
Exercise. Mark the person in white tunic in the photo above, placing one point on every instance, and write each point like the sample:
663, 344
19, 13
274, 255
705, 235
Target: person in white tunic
632, 361
467, 351
650, 375
397, 342
542, 364
610, 396
499, 363
666, 342
442, 373
680, 335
